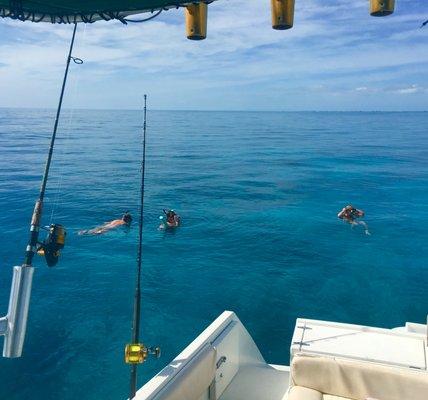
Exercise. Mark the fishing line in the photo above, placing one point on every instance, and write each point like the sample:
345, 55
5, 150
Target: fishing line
76, 80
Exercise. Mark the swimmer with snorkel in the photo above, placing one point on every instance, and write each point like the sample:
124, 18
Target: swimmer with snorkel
173, 220
108, 226
350, 214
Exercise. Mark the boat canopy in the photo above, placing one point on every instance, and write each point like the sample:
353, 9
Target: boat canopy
71, 11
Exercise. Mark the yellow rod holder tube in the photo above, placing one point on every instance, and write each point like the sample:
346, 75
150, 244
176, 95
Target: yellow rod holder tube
196, 21
381, 8
282, 14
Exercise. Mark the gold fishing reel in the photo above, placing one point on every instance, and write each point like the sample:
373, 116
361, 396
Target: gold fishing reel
137, 353
51, 247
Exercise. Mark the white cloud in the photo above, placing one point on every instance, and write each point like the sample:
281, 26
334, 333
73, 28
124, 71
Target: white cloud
411, 89
333, 46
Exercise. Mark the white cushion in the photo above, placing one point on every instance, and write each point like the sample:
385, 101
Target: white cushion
302, 393
358, 380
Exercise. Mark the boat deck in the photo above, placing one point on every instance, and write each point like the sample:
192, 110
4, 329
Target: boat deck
268, 382
399, 347
224, 363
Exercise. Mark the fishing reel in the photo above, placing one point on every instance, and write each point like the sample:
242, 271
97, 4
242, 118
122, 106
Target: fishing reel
137, 353
54, 242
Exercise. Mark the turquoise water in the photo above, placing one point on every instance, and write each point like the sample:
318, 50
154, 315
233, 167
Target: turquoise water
258, 194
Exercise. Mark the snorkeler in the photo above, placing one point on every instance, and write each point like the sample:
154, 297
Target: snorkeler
172, 219
350, 214
107, 226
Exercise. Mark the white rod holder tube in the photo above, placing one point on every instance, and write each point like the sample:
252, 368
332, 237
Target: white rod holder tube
17, 314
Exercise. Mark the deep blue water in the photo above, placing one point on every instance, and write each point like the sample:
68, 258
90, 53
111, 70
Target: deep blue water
258, 194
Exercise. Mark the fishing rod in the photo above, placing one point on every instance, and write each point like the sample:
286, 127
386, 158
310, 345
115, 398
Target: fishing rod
13, 325
135, 352
32, 247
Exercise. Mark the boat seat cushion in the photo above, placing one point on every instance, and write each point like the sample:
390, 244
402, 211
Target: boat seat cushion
303, 393
194, 379
358, 380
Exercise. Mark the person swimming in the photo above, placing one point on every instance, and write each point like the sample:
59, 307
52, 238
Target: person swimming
350, 214
126, 220
172, 219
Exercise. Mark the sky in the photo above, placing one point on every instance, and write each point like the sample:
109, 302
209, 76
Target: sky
336, 57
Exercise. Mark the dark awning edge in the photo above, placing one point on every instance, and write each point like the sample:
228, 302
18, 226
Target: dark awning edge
55, 18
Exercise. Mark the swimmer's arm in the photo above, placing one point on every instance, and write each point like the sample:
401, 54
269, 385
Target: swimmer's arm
341, 214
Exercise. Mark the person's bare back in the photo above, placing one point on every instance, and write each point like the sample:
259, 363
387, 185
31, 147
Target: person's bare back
108, 226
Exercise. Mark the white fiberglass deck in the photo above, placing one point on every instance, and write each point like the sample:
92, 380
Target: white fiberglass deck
258, 382
224, 363
383, 346
239, 372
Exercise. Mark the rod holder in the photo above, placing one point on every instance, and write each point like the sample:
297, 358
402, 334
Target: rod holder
381, 8
14, 325
282, 14
196, 21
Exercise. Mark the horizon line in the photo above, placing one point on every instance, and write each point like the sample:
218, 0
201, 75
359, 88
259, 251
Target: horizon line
213, 110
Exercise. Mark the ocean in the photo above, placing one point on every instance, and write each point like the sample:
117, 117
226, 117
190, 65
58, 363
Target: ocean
258, 193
